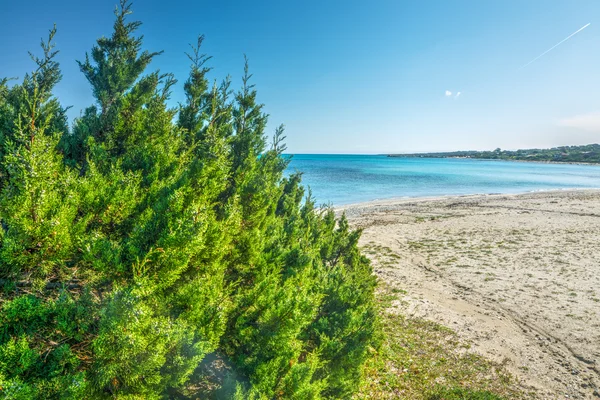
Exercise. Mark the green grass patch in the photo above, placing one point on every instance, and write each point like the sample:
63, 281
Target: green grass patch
419, 359
462, 394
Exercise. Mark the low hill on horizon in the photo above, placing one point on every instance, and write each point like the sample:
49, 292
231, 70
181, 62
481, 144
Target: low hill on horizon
589, 153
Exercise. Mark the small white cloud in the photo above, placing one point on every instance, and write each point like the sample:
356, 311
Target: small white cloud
448, 93
457, 95
587, 122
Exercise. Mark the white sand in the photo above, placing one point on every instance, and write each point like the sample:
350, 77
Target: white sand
518, 275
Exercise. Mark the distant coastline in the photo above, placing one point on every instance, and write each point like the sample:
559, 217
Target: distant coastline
596, 164
583, 155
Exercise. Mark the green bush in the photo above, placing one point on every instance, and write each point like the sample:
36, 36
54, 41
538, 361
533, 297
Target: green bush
144, 238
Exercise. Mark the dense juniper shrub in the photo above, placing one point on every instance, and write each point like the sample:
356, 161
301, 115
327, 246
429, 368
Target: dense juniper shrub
146, 239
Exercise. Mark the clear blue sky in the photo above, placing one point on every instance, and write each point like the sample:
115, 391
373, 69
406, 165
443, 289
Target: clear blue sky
361, 76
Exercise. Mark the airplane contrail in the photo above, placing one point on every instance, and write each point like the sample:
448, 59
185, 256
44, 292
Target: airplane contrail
557, 44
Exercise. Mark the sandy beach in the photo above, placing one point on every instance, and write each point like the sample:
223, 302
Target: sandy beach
518, 276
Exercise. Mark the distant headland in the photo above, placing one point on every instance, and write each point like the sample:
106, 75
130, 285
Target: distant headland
566, 154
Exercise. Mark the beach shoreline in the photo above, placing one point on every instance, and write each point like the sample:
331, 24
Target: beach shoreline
516, 275
353, 207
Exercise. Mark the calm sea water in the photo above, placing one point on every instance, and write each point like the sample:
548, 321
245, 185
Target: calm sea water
346, 179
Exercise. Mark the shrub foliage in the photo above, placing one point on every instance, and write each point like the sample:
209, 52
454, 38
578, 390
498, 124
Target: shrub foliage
144, 238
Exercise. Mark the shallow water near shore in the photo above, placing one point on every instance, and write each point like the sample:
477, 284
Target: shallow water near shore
348, 179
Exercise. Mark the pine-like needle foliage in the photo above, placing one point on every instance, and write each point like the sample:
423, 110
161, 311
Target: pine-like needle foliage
147, 238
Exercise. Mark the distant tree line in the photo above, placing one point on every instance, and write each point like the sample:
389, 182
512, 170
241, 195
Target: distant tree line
585, 154
152, 252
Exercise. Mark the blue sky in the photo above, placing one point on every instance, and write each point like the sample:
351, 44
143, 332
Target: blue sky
361, 76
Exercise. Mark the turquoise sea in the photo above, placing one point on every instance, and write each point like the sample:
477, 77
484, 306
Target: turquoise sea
346, 179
